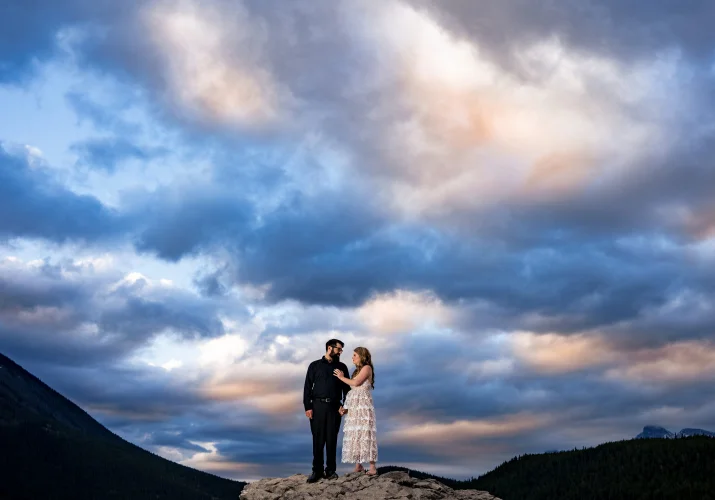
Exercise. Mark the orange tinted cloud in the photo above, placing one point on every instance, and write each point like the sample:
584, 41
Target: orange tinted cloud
680, 362
438, 433
471, 134
554, 353
210, 61
677, 362
403, 311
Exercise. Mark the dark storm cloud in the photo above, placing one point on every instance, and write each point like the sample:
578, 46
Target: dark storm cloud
118, 396
612, 259
53, 318
34, 205
146, 318
621, 29
29, 30
339, 250
173, 223
28, 295
431, 377
251, 442
174, 439
564, 261
210, 284
27, 33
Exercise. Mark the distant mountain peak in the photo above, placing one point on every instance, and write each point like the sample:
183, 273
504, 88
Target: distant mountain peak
656, 431
688, 431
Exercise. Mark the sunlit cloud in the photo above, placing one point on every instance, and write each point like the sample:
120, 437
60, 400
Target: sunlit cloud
444, 434
468, 134
677, 363
402, 312
212, 461
552, 353
211, 55
509, 206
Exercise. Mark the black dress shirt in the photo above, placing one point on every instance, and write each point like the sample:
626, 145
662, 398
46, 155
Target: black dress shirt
321, 383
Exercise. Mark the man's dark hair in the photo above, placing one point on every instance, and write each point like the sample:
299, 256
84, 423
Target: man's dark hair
334, 343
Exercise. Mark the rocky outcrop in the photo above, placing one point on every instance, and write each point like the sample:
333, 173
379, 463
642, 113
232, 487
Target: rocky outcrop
357, 486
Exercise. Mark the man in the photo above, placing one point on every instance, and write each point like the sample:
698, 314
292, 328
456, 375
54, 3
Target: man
322, 398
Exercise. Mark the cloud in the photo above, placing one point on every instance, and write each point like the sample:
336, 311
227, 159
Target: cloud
509, 204
549, 353
42, 207
561, 162
404, 312
677, 363
101, 117
213, 216
435, 433
209, 56
107, 153
613, 28
28, 34
72, 311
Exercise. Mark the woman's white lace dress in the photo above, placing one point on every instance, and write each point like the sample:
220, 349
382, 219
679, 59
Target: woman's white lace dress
359, 430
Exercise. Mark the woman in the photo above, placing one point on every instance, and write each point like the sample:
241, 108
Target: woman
359, 431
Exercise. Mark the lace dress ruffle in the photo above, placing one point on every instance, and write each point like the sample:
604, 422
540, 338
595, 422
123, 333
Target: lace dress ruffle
359, 429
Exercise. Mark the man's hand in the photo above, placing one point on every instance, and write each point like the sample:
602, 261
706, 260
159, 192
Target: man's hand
342, 411
309, 413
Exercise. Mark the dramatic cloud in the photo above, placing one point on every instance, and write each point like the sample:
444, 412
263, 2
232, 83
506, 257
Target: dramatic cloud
617, 29
86, 312
37, 206
509, 203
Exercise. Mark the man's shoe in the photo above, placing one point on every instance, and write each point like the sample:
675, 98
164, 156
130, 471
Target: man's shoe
315, 476
330, 475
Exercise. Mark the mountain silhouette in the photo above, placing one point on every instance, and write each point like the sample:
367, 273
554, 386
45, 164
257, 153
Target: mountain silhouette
656, 431
681, 468
695, 432
52, 449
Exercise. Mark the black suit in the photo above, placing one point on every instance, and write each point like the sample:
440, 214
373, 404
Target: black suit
323, 393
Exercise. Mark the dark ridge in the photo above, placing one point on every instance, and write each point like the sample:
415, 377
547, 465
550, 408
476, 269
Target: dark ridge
25, 398
679, 468
52, 449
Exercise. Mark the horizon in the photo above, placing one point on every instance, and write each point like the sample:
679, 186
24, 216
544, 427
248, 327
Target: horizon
510, 204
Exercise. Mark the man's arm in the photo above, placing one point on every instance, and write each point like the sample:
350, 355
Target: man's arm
308, 388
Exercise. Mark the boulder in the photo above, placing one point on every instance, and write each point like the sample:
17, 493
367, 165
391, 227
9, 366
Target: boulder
357, 486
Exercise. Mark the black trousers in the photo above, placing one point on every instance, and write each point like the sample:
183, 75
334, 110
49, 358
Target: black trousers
325, 425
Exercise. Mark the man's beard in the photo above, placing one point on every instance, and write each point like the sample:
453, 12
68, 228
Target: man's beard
335, 356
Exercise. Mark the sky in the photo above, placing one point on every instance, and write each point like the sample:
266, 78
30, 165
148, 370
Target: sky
510, 203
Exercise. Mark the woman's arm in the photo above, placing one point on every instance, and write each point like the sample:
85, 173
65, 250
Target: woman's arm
354, 382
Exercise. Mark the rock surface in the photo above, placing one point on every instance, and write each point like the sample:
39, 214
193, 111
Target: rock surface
357, 486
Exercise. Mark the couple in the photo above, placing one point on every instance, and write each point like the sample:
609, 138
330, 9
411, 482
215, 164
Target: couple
326, 382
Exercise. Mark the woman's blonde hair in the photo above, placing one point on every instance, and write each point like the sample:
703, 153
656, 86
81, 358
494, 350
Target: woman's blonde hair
365, 360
